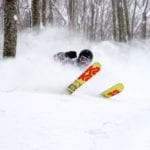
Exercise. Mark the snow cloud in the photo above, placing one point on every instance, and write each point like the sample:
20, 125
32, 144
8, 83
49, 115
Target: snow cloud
34, 68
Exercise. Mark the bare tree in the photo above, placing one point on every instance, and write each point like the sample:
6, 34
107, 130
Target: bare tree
95, 18
114, 20
133, 18
121, 21
10, 28
51, 15
84, 21
71, 10
92, 21
44, 2
127, 24
1, 15
144, 19
35, 13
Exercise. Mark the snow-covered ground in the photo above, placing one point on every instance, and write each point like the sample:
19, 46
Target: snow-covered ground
37, 114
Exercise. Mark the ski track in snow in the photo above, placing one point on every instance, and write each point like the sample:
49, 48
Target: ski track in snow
36, 113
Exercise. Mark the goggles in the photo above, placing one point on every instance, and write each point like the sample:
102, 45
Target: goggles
84, 60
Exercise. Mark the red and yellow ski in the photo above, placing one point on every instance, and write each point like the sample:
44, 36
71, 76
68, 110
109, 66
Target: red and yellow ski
84, 77
112, 91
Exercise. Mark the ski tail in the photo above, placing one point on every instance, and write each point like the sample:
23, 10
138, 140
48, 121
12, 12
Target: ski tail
112, 91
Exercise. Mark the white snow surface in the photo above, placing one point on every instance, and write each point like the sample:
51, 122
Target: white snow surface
37, 114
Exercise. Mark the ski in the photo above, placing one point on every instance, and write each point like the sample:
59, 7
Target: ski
112, 91
84, 77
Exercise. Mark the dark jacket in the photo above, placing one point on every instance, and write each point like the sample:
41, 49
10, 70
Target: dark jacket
70, 57
66, 57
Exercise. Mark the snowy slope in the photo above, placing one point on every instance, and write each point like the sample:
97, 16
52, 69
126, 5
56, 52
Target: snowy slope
37, 114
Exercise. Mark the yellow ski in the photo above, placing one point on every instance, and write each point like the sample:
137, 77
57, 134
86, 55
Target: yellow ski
114, 90
84, 77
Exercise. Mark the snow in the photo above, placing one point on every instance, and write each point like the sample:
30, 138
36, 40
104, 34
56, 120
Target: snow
15, 17
37, 114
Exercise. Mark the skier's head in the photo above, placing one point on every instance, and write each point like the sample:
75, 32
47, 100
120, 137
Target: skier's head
85, 57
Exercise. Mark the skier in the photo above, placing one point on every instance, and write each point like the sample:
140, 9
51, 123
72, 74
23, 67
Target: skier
84, 58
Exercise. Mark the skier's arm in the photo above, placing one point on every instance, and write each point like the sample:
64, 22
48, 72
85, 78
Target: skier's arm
71, 54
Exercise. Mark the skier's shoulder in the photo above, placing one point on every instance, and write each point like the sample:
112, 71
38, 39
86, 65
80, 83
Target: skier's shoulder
71, 54
83, 59
66, 57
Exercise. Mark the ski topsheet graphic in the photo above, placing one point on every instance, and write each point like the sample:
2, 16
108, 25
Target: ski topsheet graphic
84, 77
114, 90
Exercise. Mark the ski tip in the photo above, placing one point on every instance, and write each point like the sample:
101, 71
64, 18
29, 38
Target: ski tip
112, 91
96, 64
121, 85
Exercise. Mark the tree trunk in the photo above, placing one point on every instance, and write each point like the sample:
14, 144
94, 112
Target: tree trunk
10, 28
127, 24
50, 12
122, 36
84, 17
44, 12
133, 19
114, 20
144, 19
72, 14
92, 24
36, 13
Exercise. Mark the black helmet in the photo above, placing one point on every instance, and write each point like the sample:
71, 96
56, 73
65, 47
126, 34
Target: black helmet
85, 57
